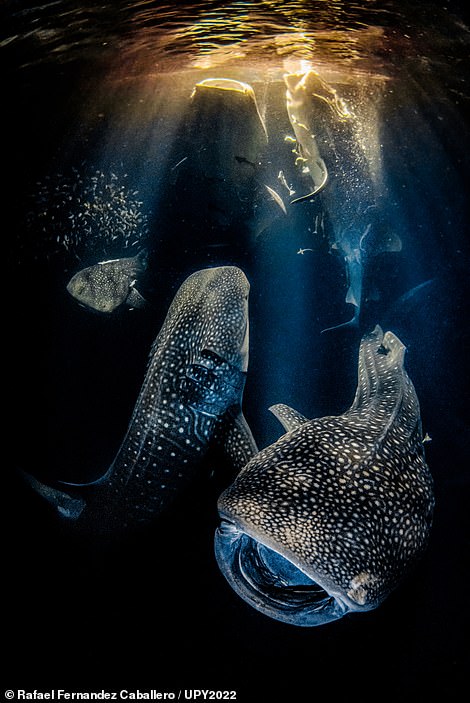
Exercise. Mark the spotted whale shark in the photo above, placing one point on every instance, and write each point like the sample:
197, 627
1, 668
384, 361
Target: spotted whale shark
330, 518
191, 395
108, 285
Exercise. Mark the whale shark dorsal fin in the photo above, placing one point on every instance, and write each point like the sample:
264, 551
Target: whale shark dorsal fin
289, 418
68, 506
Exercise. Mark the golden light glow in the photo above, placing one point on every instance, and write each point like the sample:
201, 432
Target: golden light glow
164, 54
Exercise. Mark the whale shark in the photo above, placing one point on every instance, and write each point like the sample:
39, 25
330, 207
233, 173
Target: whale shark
306, 150
330, 518
224, 155
191, 394
340, 153
226, 139
107, 285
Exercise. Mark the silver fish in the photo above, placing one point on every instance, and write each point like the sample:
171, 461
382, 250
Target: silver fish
191, 396
277, 198
330, 518
109, 284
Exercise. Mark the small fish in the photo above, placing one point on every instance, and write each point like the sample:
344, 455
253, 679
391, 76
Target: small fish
181, 161
302, 251
277, 198
282, 180
243, 160
191, 396
331, 517
109, 284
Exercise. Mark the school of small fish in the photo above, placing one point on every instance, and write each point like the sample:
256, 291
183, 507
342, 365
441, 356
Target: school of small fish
83, 212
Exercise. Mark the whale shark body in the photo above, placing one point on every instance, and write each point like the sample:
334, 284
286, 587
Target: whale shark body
107, 285
328, 519
331, 150
191, 394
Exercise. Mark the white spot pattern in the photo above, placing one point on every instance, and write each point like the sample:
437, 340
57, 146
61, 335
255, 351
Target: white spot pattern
185, 395
348, 496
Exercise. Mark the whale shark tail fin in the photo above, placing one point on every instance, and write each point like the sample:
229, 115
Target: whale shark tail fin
67, 505
353, 322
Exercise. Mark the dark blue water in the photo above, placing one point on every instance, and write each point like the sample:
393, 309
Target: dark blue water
96, 114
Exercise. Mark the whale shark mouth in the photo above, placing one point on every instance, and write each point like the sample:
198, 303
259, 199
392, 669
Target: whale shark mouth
270, 582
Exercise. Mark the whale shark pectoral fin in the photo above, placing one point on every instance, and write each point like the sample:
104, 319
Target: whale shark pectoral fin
319, 184
353, 322
289, 418
135, 299
237, 441
317, 189
68, 506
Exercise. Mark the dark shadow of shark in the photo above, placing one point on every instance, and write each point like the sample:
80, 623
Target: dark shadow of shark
333, 149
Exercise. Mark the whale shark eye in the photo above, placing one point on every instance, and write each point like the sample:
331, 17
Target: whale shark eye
383, 350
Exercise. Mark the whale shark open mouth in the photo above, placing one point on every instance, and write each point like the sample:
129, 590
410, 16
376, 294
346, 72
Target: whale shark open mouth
270, 582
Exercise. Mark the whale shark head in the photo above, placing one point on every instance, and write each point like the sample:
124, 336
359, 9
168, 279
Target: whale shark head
220, 296
207, 329
329, 519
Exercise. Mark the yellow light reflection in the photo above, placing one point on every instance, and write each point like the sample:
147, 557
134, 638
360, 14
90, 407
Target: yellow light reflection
256, 44
253, 37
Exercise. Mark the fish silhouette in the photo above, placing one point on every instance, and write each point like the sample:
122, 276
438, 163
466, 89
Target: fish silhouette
109, 284
330, 518
191, 396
